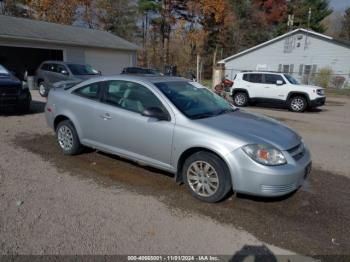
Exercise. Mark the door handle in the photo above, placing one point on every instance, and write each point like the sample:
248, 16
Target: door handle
267, 87
106, 116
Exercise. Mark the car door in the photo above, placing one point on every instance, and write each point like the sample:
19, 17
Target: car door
123, 130
62, 73
275, 87
51, 73
83, 107
254, 85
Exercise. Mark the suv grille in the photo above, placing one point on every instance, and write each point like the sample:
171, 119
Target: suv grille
297, 152
8, 90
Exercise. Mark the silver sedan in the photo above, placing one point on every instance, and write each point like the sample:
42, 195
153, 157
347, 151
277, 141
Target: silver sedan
181, 127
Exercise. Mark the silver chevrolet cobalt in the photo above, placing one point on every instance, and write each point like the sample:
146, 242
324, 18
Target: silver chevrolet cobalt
182, 127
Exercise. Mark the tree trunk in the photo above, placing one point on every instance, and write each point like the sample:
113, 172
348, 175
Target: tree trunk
214, 63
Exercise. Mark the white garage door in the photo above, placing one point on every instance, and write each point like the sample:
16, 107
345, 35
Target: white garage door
109, 62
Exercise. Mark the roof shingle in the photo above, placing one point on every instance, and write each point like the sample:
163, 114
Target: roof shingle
28, 29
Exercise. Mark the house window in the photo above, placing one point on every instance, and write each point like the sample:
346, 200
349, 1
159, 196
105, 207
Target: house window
285, 68
288, 69
307, 69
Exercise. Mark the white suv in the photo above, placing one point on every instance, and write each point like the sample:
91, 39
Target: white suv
277, 88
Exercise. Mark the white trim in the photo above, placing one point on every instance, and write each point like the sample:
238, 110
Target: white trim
223, 61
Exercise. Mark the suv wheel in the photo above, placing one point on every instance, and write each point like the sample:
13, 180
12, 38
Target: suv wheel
67, 138
240, 99
43, 91
297, 104
206, 177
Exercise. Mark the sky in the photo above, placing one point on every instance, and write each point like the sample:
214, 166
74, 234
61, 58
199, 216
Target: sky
339, 5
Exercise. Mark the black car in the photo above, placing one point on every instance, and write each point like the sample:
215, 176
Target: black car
12, 93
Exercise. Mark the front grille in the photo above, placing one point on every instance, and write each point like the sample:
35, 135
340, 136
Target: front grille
8, 90
278, 188
297, 152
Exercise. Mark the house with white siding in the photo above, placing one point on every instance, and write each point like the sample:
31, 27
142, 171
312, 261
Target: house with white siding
301, 53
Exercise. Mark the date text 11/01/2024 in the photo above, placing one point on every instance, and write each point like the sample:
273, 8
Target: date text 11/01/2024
173, 258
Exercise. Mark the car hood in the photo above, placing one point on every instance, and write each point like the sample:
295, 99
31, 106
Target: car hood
253, 128
9, 81
310, 87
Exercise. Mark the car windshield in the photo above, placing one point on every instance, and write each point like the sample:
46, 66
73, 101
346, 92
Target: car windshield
82, 69
194, 100
291, 79
3, 71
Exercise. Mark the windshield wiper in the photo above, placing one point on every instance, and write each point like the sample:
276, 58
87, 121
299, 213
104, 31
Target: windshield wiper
224, 111
205, 115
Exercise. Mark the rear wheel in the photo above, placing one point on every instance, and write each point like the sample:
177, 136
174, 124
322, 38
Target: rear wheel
240, 99
67, 138
43, 91
297, 104
206, 176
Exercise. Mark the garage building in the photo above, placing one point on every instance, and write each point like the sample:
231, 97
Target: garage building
25, 43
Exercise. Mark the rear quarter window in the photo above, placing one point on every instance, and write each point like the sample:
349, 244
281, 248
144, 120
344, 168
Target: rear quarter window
253, 78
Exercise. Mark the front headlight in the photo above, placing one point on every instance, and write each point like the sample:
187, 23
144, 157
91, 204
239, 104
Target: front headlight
320, 92
265, 154
24, 85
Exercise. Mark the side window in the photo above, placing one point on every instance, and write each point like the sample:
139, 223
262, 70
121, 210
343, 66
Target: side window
255, 78
61, 68
53, 68
91, 91
246, 77
271, 79
45, 67
130, 96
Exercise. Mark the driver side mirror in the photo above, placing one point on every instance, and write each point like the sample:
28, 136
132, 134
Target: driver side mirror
64, 72
157, 113
279, 82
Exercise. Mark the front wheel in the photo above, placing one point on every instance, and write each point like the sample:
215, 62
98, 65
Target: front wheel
297, 104
240, 99
206, 176
43, 90
67, 138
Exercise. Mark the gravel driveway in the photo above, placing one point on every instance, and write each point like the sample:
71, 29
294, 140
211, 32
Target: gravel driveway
96, 203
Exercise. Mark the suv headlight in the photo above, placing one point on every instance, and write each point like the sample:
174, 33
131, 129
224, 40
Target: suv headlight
24, 85
265, 154
320, 92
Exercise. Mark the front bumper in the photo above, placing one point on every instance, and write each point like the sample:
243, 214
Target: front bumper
318, 102
9, 100
253, 178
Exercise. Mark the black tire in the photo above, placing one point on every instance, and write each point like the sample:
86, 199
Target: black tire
297, 104
75, 147
43, 90
240, 99
217, 165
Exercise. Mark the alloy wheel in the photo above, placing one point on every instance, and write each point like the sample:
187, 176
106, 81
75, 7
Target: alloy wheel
65, 138
297, 104
203, 178
42, 89
240, 99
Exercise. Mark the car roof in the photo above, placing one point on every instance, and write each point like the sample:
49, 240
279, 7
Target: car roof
61, 62
260, 72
